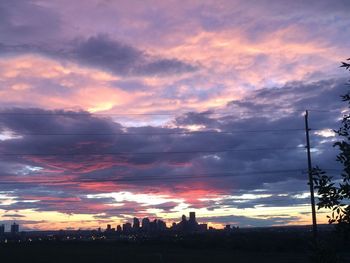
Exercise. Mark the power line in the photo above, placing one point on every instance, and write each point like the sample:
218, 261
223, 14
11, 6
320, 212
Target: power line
149, 153
158, 133
190, 176
71, 113
162, 178
325, 110
130, 114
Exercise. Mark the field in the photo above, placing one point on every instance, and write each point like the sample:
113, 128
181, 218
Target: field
114, 252
261, 247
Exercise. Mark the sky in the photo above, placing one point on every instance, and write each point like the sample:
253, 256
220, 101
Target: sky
115, 109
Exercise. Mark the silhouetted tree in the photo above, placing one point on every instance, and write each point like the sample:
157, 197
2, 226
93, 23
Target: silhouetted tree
345, 65
332, 194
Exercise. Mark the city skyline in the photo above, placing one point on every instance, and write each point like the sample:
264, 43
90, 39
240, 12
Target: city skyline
144, 225
118, 109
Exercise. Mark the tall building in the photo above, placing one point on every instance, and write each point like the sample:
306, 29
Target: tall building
153, 226
192, 225
136, 224
14, 228
145, 224
127, 227
203, 227
192, 217
2, 230
161, 226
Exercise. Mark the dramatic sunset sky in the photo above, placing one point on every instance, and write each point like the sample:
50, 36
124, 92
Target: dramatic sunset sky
115, 109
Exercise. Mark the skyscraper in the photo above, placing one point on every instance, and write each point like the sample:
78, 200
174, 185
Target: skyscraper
136, 224
127, 227
14, 228
192, 223
145, 224
192, 217
2, 230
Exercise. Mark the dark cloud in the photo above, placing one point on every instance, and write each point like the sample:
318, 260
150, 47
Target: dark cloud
92, 154
13, 215
107, 54
294, 96
261, 154
111, 55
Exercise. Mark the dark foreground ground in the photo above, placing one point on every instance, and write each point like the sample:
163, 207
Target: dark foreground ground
247, 247
123, 253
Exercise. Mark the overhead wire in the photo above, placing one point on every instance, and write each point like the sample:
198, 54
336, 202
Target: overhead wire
158, 133
152, 152
164, 178
78, 113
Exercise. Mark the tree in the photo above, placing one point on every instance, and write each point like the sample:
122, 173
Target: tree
333, 194
345, 65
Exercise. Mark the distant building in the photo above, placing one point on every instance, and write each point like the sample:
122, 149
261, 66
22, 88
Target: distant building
192, 217
189, 225
192, 224
14, 229
109, 229
153, 226
202, 227
136, 224
127, 227
145, 224
161, 226
227, 228
2, 230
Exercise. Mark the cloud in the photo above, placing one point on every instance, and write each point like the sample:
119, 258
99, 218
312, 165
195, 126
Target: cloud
244, 221
119, 58
23, 22
201, 58
93, 155
268, 60
13, 215
106, 54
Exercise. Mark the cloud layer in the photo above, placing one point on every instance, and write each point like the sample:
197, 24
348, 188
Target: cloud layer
110, 110
249, 155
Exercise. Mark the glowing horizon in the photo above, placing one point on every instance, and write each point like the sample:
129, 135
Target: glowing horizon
111, 110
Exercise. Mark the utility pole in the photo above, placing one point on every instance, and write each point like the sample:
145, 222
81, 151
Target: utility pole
311, 183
